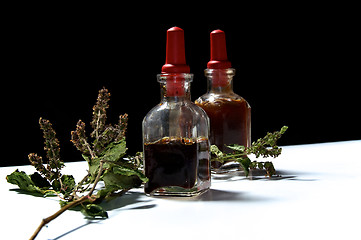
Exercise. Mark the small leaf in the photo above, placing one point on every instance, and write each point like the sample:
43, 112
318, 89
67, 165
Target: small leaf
50, 193
118, 181
260, 165
94, 165
236, 147
86, 157
106, 192
68, 183
40, 181
270, 168
63, 203
114, 151
94, 211
215, 150
56, 185
283, 129
245, 163
253, 165
23, 181
129, 172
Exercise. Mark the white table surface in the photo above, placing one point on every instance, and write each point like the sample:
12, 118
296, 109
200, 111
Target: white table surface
317, 197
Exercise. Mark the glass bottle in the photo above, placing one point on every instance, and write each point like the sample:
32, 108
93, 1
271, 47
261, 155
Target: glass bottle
229, 113
175, 132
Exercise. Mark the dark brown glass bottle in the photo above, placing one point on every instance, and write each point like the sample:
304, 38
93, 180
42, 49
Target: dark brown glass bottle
229, 113
176, 131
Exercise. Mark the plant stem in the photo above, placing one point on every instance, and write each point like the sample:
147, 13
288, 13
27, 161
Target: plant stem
75, 203
225, 158
58, 213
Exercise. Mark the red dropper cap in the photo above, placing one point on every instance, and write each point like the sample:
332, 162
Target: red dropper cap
175, 61
219, 58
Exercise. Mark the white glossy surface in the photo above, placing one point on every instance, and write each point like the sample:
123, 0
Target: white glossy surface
317, 197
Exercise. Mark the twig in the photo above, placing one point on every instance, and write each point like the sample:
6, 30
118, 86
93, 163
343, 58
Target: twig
75, 203
58, 213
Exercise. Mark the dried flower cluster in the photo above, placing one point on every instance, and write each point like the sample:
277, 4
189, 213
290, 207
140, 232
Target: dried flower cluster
100, 113
102, 134
51, 146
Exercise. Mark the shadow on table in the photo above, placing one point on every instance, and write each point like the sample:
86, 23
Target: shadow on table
75, 229
256, 174
130, 198
123, 202
221, 195
213, 195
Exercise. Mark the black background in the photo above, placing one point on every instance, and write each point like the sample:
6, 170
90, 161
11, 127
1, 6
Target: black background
298, 70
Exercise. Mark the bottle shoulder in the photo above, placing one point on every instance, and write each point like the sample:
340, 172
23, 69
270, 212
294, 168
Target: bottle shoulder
156, 111
215, 98
185, 109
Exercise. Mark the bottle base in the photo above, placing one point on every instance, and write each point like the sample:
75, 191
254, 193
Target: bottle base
227, 168
175, 191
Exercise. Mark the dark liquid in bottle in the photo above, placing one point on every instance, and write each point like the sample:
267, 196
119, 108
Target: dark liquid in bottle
230, 121
175, 162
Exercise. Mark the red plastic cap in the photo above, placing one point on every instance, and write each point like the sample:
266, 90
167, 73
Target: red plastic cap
219, 58
175, 61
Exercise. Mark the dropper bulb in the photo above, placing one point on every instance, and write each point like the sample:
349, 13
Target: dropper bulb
175, 53
219, 58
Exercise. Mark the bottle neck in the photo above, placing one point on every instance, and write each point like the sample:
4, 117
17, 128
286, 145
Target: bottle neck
175, 87
220, 80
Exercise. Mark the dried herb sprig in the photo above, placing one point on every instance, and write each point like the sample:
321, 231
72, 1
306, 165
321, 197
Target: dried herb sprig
265, 147
52, 172
102, 134
99, 113
105, 160
80, 141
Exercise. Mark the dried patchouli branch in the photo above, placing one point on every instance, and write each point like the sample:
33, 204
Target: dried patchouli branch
105, 161
102, 134
51, 146
265, 147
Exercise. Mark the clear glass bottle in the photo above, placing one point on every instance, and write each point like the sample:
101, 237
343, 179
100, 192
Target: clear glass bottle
175, 137
229, 113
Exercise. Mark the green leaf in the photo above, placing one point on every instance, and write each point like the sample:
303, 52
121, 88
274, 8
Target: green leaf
260, 165
215, 150
118, 181
56, 185
68, 183
236, 147
129, 172
94, 167
94, 211
112, 153
86, 157
245, 163
283, 129
63, 203
23, 181
40, 181
270, 168
106, 192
